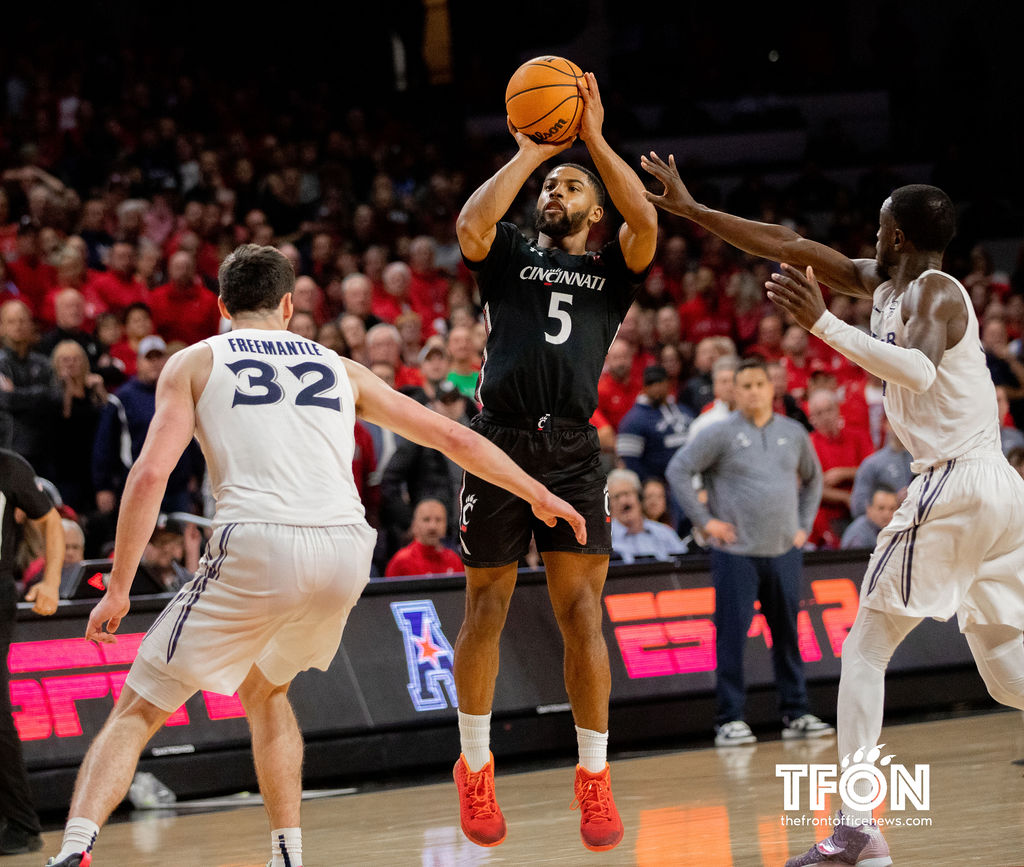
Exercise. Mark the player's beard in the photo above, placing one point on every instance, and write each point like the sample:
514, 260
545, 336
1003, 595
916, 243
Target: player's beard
558, 224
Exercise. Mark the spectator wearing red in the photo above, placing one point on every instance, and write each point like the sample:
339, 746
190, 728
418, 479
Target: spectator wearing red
708, 312
33, 276
118, 288
391, 298
840, 452
619, 384
797, 361
364, 471
72, 273
425, 555
183, 308
769, 338
853, 404
384, 343
138, 323
428, 291
637, 327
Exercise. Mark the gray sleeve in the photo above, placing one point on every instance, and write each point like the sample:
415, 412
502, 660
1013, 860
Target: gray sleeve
863, 484
811, 486
697, 456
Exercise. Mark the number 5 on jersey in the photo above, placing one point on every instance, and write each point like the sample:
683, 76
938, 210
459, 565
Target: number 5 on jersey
263, 387
556, 312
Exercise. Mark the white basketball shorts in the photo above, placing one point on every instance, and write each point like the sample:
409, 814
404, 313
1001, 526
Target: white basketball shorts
955, 546
272, 595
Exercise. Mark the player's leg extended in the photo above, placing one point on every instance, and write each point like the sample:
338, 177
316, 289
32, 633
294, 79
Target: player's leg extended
277, 754
575, 582
872, 640
276, 747
488, 593
999, 653
108, 769
109, 765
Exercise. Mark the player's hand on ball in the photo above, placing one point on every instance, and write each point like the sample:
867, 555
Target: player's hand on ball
593, 108
541, 152
675, 199
798, 293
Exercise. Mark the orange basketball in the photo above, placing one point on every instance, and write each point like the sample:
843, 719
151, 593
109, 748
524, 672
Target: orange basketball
542, 99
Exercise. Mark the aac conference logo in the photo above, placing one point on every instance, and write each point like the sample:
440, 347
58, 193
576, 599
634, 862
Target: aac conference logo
428, 655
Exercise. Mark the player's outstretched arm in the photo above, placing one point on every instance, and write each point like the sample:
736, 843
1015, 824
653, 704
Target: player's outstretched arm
638, 236
490, 201
934, 306
379, 403
777, 243
170, 431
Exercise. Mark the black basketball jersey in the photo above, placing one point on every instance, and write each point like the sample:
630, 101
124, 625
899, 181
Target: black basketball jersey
18, 489
550, 317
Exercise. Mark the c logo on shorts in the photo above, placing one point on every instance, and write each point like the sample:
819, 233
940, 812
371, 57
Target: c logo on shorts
467, 507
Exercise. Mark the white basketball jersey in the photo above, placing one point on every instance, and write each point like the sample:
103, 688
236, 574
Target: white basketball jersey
958, 414
275, 422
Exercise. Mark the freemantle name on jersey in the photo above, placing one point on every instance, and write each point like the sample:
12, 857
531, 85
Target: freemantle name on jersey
557, 275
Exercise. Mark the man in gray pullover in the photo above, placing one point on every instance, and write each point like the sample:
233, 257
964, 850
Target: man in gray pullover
763, 484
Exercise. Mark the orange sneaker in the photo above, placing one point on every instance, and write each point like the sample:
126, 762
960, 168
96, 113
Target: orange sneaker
479, 812
600, 825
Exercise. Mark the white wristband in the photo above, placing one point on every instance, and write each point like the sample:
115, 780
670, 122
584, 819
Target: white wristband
909, 368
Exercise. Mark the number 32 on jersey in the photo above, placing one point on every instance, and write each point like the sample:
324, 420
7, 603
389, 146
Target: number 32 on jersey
258, 384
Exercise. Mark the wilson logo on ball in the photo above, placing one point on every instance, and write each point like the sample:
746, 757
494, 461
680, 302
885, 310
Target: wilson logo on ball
543, 99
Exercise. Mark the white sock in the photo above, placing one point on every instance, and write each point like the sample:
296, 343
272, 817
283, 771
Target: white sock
286, 847
79, 835
475, 738
593, 749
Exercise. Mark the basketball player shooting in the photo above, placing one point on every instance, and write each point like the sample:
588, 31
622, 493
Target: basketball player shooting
956, 544
290, 552
551, 310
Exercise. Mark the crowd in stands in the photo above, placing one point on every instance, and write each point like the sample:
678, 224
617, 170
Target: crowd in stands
112, 228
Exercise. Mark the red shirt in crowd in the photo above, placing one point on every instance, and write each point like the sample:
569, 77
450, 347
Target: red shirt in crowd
188, 314
117, 292
697, 320
385, 307
419, 559
406, 375
34, 278
615, 398
428, 296
847, 449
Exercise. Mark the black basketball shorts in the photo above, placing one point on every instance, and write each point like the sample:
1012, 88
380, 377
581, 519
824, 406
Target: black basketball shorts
495, 526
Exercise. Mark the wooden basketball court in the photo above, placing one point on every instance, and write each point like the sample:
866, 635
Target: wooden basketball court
706, 807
